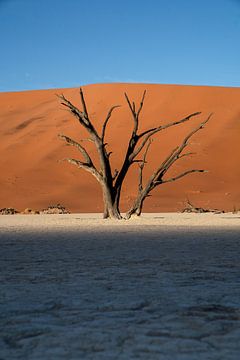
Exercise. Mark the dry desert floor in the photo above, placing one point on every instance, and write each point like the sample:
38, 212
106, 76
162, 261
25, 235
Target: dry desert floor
94, 222
165, 286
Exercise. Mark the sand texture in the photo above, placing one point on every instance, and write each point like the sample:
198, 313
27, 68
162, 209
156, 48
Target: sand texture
95, 224
32, 176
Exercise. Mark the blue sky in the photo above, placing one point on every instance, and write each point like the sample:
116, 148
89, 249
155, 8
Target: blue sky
57, 43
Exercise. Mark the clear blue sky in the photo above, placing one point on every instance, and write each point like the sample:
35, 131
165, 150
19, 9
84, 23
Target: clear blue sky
57, 43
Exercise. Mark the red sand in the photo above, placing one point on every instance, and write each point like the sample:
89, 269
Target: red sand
32, 176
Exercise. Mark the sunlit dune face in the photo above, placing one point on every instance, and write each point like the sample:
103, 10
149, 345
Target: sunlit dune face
33, 176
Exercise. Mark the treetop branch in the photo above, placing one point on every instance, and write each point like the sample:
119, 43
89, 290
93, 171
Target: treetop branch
83, 103
82, 116
106, 121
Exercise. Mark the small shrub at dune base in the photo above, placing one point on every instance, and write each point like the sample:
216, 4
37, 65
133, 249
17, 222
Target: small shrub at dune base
55, 209
8, 211
193, 209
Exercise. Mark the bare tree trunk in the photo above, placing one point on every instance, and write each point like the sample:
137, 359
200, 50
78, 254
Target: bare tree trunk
136, 209
111, 209
105, 211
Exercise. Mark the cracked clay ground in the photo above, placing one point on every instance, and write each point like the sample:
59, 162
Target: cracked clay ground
120, 293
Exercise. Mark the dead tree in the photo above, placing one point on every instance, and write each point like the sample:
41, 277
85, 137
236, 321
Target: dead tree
193, 209
111, 183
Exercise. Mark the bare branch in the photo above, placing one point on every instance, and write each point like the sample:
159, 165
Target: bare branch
140, 182
165, 162
86, 166
134, 116
175, 154
162, 127
141, 166
138, 161
186, 154
145, 153
151, 132
180, 176
83, 104
141, 103
128, 161
87, 139
74, 143
82, 116
199, 127
115, 174
73, 109
133, 106
106, 121
129, 103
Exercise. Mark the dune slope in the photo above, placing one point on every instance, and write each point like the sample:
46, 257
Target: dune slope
33, 175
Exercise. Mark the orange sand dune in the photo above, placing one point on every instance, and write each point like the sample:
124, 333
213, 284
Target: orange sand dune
31, 174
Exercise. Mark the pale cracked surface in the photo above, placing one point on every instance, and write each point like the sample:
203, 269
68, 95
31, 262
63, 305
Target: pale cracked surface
120, 292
